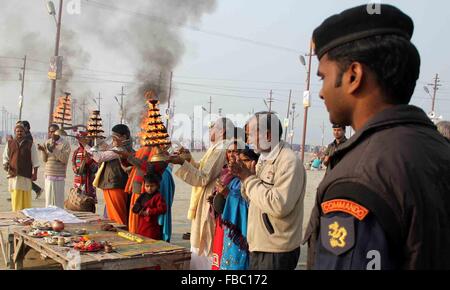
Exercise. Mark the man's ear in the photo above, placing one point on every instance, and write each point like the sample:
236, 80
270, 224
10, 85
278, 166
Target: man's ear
354, 77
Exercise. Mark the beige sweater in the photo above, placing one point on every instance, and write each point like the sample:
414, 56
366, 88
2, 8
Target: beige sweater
56, 161
276, 197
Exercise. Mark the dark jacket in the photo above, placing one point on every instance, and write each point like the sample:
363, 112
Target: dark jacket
20, 163
113, 176
397, 166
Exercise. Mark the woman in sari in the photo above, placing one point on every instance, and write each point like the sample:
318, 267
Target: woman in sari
235, 252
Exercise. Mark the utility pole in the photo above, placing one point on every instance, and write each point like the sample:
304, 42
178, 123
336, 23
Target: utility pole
3, 122
308, 84
210, 105
168, 101
83, 105
192, 132
292, 125
99, 99
122, 115
7, 123
12, 122
287, 116
270, 101
23, 86
58, 36
173, 114
210, 108
74, 115
436, 86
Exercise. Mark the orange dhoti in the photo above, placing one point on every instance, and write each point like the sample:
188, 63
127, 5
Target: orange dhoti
116, 205
133, 218
135, 184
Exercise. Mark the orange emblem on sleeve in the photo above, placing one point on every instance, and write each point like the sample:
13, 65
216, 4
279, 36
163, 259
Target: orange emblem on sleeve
347, 206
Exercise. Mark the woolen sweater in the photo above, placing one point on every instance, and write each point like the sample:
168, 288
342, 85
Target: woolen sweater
56, 159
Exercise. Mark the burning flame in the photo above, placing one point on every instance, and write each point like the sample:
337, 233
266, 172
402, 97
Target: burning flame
63, 112
153, 132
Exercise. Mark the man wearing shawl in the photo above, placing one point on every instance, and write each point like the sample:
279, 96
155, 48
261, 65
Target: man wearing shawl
84, 168
202, 177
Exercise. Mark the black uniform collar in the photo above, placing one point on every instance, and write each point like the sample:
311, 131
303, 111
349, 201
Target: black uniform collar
391, 117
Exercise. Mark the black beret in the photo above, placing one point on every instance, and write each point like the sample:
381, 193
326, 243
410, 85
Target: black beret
357, 23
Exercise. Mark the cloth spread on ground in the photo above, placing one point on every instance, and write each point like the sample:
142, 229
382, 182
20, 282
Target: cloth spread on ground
50, 214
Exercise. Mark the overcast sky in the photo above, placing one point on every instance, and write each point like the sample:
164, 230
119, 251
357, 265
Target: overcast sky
235, 51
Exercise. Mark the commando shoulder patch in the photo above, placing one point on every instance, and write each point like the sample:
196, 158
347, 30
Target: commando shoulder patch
346, 206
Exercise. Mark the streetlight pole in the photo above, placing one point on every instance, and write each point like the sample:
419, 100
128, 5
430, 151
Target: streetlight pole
293, 124
306, 105
287, 116
58, 36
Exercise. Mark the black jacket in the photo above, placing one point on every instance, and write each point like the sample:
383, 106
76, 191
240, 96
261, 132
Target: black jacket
398, 167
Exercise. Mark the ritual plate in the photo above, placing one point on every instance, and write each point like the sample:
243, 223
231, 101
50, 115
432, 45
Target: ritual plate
39, 235
80, 232
64, 234
89, 251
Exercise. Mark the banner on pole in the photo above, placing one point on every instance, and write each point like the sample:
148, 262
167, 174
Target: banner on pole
306, 99
55, 70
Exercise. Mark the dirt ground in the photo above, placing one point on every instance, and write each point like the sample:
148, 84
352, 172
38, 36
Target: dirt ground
179, 209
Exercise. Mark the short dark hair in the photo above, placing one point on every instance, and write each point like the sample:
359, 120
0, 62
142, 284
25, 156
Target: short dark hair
393, 60
152, 178
53, 126
26, 124
122, 129
335, 126
270, 116
251, 154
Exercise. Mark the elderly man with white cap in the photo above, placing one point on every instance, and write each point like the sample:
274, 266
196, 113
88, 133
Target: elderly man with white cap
202, 176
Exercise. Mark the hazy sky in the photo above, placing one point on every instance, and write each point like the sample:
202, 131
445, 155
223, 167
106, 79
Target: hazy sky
237, 53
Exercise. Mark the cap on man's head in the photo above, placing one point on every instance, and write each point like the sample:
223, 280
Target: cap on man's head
19, 125
358, 23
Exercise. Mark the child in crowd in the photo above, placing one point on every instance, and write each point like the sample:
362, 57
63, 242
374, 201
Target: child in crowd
149, 206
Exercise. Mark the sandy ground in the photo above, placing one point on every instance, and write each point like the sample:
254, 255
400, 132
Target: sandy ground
179, 210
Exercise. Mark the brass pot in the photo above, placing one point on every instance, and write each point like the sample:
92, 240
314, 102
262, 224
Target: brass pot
57, 226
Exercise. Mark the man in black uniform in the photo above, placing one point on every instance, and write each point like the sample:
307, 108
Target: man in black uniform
385, 202
339, 138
